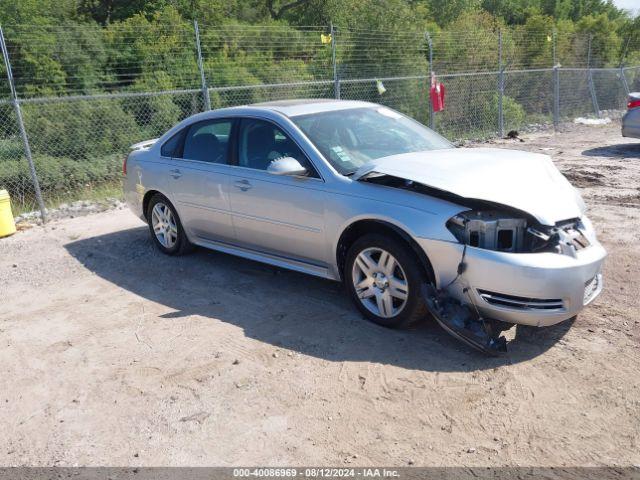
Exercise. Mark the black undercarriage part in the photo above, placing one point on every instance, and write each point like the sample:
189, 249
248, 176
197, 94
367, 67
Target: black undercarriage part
465, 323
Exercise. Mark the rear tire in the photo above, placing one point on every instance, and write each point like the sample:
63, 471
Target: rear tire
165, 227
384, 279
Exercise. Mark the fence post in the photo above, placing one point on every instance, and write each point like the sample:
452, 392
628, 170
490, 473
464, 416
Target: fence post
625, 84
592, 88
23, 131
432, 117
334, 62
500, 87
203, 79
623, 77
556, 82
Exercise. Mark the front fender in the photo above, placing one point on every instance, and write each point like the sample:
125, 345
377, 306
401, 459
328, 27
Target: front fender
341, 213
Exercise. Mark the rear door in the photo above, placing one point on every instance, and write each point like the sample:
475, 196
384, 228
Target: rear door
282, 215
198, 178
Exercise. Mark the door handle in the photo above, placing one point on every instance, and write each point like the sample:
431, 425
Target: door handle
175, 173
243, 185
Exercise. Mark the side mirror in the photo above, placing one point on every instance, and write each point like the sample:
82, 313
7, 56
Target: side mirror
286, 166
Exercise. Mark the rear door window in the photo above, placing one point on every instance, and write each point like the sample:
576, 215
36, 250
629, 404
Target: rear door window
207, 141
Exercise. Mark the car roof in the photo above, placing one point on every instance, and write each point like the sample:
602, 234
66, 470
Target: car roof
288, 108
293, 108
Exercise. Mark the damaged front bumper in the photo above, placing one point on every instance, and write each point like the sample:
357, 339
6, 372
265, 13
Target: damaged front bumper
537, 289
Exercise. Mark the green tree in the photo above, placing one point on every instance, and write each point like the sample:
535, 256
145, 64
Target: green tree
108, 11
605, 41
446, 11
468, 44
532, 43
513, 12
141, 48
38, 12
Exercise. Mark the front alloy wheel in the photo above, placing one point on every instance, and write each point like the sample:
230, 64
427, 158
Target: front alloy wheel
384, 277
380, 282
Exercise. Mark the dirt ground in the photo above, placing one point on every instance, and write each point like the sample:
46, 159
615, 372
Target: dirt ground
113, 354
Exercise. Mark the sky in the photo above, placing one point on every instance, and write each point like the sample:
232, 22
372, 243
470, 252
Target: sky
633, 5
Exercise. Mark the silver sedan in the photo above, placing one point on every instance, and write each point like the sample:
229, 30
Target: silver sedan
359, 193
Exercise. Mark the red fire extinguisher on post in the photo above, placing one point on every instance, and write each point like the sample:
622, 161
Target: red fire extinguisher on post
436, 93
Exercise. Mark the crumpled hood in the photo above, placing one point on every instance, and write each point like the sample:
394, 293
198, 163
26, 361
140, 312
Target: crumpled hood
526, 181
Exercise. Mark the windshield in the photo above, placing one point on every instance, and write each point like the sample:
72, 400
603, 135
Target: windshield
350, 138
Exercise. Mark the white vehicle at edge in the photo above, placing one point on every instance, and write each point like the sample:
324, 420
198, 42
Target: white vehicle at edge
356, 192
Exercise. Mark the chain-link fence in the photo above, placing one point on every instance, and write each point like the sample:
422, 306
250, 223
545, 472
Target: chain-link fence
79, 96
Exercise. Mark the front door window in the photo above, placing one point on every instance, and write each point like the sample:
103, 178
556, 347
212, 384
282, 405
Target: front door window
261, 142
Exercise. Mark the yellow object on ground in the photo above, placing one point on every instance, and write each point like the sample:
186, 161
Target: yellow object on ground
7, 225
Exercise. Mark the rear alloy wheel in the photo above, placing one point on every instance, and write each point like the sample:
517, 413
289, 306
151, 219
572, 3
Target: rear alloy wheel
165, 227
384, 279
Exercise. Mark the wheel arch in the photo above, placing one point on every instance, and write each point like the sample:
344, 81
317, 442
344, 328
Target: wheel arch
148, 195
362, 227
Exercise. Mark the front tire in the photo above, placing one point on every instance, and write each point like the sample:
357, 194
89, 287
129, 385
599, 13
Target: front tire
165, 227
384, 279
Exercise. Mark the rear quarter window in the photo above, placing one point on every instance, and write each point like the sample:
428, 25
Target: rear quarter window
172, 147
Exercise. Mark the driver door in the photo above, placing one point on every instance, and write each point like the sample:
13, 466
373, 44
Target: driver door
276, 214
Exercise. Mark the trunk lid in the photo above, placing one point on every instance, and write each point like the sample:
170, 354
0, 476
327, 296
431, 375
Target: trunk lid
143, 144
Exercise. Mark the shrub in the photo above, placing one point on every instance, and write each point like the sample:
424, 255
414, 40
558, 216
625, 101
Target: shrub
474, 116
155, 114
79, 129
11, 148
59, 175
514, 114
